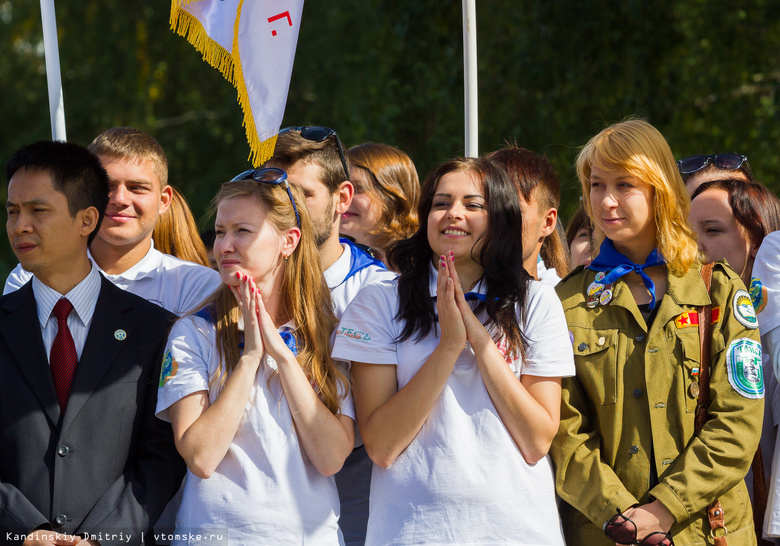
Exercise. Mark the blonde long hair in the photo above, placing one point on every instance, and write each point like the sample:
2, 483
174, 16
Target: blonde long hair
176, 232
639, 148
305, 296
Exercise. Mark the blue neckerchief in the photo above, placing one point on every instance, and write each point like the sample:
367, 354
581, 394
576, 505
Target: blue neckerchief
609, 259
469, 296
289, 340
360, 260
207, 313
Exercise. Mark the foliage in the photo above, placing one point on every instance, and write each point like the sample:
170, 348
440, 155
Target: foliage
551, 74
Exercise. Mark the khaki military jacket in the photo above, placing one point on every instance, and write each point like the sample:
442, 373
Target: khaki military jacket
631, 402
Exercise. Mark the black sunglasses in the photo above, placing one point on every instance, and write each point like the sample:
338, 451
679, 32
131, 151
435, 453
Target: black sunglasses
622, 530
270, 175
728, 162
318, 134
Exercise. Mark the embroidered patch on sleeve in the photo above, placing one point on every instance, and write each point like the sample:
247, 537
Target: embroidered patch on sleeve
715, 315
743, 363
758, 294
744, 311
169, 368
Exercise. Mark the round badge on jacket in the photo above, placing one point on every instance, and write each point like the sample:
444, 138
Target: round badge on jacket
744, 310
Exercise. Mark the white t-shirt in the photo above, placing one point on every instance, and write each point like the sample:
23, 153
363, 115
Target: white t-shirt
354, 478
342, 290
765, 292
550, 276
265, 490
462, 480
765, 284
175, 285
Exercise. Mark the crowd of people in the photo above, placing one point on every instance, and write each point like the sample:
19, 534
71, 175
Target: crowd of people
353, 357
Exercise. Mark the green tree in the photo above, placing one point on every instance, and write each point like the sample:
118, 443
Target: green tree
551, 74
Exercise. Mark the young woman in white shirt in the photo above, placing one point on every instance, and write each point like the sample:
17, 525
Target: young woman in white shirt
458, 395
260, 412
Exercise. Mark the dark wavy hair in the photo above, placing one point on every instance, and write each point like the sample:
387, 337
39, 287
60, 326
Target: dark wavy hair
500, 255
754, 205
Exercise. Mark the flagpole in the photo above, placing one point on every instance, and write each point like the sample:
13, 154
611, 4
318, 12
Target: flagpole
470, 76
53, 77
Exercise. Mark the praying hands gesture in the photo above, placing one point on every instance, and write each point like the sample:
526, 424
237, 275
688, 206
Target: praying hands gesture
248, 298
530, 407
260, 332
458, 322
327, 439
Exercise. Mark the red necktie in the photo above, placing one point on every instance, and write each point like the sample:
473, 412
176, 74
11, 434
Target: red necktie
63, 358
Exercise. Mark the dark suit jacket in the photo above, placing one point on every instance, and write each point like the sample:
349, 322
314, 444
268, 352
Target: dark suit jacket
107, 465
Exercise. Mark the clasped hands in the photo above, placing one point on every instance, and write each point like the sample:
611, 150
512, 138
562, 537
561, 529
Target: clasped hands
260, 333
457, 321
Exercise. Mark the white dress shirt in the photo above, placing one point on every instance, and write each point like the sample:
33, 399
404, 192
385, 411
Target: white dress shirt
83, 297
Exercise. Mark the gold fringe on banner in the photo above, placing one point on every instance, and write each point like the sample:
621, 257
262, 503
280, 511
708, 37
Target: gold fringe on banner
184, 24
229, 65
260, 151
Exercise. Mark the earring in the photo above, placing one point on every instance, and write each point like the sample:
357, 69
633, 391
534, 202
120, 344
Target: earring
285, 259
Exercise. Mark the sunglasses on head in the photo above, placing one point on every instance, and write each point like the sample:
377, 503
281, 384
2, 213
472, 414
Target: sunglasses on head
622, 530
728, 162
270, 175
318, 134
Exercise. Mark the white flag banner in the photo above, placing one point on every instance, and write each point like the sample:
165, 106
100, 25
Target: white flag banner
252, 43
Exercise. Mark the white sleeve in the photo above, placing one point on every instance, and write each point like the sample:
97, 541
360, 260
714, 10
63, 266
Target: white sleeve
197, 284
549, 351
770, 345
185, 366
347, 404
765, 283
16, 279
367, 331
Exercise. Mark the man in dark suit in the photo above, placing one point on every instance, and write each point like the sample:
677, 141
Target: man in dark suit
83, 456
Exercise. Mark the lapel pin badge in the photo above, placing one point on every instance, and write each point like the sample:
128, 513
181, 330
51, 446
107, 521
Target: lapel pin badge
120, 335
594, 289
605, 297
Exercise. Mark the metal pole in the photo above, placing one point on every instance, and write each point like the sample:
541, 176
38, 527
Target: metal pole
470, 77
53, 77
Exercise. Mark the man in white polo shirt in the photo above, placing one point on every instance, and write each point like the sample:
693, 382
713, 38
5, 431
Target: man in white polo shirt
123, 249
314, 160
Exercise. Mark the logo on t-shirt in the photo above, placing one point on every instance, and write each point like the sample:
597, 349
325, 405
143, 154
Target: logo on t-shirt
357, 335
169, 368
758, 294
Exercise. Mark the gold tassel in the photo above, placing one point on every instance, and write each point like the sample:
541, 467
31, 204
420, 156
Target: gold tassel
229, 65
186, 25
259, 152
